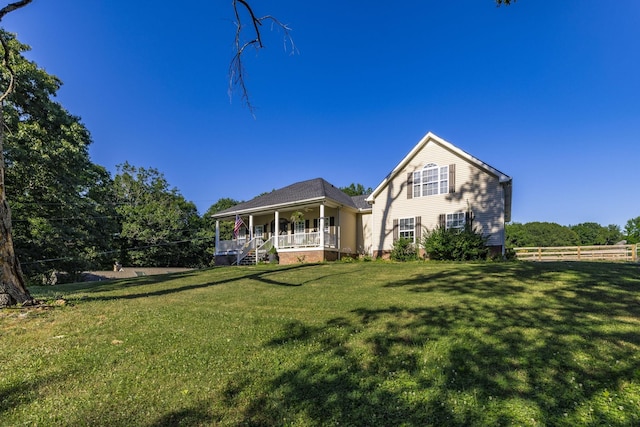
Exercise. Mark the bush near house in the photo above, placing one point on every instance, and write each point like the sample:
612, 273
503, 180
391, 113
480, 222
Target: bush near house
404, 250
456, 244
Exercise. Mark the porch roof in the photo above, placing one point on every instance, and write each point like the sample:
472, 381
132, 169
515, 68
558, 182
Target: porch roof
311, 191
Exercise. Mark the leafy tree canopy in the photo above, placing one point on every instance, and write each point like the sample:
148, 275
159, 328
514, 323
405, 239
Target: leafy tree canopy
552, 234
632, 230
158, 226
62, 207
354, 189
226, 227
591, 233
220, 205
540, 234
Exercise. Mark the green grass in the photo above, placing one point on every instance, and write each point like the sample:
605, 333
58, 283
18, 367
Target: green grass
344, 343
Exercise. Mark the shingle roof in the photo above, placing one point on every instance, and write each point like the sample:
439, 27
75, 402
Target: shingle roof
313, 189
361, 201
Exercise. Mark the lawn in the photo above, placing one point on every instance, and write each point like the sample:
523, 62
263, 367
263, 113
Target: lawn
374, 343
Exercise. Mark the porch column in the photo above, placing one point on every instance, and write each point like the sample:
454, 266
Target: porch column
277, 229
217, 236
250, 227
338, 243
321, 225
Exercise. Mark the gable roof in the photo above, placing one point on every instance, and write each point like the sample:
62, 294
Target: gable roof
431, 137
313, 190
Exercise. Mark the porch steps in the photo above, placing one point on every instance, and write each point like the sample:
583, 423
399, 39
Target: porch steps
250, 259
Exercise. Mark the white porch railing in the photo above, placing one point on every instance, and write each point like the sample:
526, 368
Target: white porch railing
285, 241
306, 240
228, 247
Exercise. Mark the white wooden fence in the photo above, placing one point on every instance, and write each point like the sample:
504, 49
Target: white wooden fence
580, 253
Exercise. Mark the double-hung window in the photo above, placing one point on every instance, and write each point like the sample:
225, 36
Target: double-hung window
431, 180
406, 228
455, 220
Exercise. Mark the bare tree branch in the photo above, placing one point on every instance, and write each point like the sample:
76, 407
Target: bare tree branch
236, 68
13, 6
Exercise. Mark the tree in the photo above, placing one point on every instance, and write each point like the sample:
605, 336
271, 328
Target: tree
632, 230
12, 284
540, 234
591, 233
356, 190
226, 227
612, 234
61, 201
158, 226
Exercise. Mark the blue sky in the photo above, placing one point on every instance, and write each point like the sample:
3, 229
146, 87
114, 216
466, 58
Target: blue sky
546, 91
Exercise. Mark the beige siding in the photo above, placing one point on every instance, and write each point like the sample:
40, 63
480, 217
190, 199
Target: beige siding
347, 232
474, 186
363, 238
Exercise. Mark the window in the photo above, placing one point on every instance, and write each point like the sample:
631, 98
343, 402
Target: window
259, 231
417, 177
406, 228
242, 233
329, 221
455, 220
431, 180
298, 232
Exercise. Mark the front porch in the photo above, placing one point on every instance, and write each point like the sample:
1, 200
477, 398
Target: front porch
303, 233
290, 249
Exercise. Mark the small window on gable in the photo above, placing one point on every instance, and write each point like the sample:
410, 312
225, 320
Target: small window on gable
431, 180
406, 228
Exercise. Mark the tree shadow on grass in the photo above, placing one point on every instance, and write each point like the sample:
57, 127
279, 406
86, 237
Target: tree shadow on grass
197, 415
266, 276
27, 391
568, 357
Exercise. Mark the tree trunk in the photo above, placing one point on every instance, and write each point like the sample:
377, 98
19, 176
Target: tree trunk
12, 285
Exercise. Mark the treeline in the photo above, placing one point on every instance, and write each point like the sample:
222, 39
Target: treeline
534, 234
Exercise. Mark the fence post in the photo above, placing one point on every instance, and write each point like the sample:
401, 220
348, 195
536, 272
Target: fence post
578, 253
539, 253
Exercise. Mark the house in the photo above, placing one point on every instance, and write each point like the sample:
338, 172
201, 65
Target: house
436, 183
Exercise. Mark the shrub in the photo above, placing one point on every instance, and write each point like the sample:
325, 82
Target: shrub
403, 250
455, 244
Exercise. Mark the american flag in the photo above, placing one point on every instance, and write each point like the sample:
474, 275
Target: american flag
236, 227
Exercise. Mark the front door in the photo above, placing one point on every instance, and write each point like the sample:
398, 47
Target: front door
259, 232
298, 232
